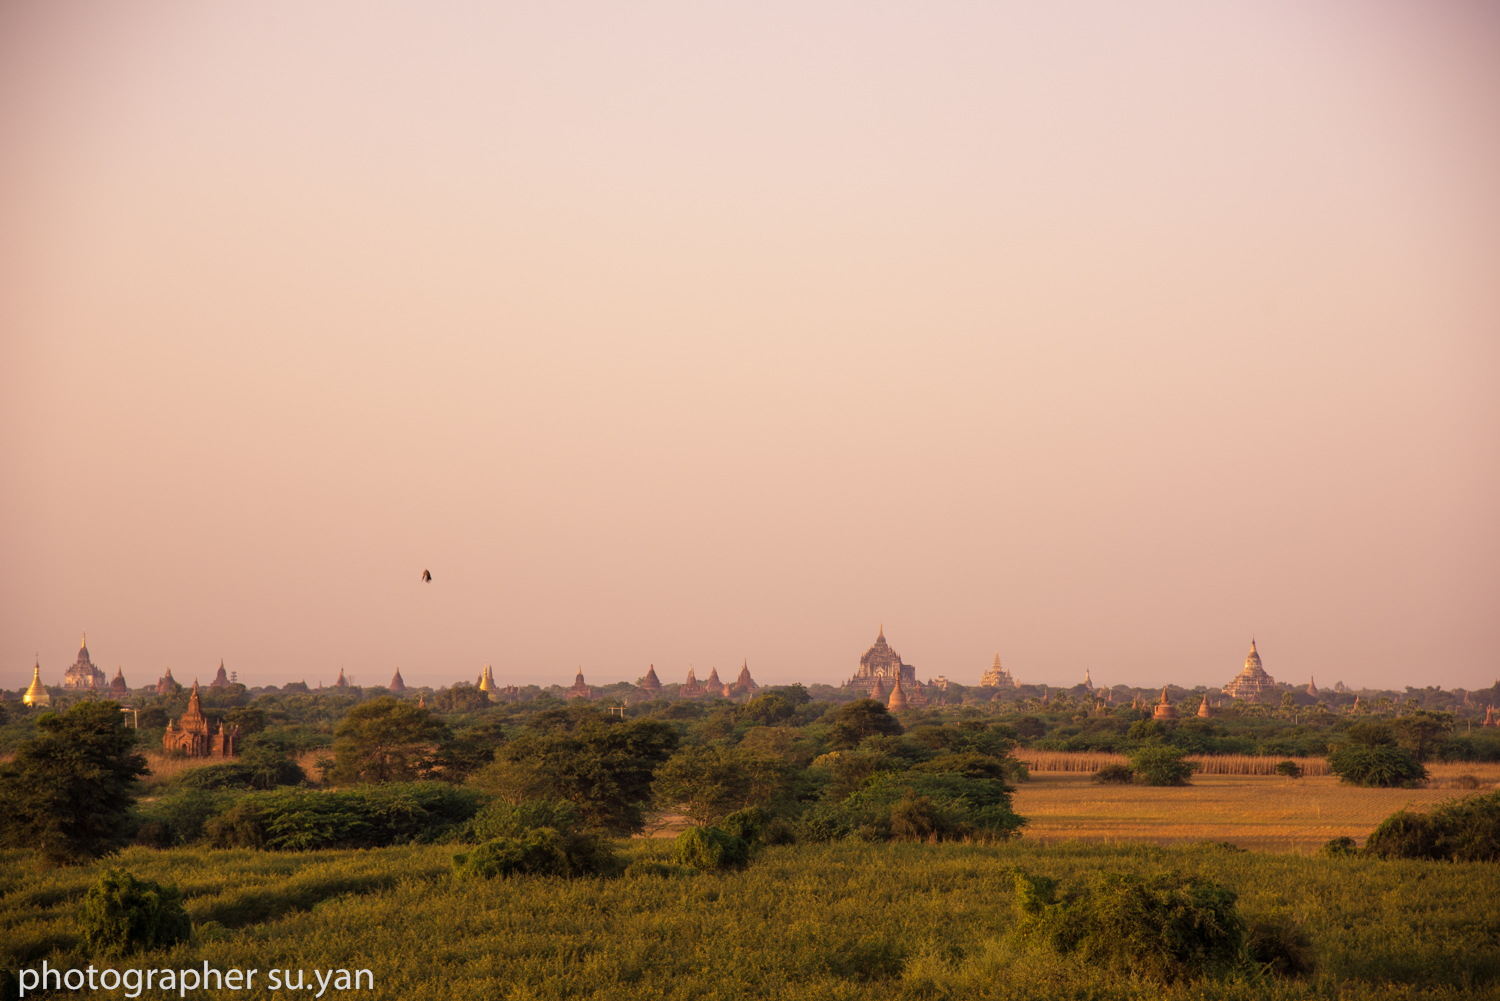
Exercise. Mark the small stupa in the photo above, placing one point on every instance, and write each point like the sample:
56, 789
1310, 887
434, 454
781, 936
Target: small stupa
898, 698
650, 683
1164, 709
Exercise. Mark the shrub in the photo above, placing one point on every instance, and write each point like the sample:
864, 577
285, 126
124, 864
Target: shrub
370, 817
709, 848
1114, 775
506, 820
539, 852
123, 915
1163, 928
1463, 830
1289, 768
916, 819
179, 818
1159, 765
823, 823
1381, 765
1404, 834
748, 825
1339, 848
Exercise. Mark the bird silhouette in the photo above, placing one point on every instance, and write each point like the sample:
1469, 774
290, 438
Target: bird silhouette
426, 577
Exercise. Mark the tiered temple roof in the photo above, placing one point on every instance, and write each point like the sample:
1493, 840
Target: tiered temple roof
580, 690
117, 687
221, 680
82, 674
881, 666
1252, 682
998, 677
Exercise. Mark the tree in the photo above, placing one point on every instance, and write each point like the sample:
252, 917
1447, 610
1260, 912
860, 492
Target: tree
385, 740
854, 721
1160, 765
769, 708
1422, 731
1375, 764
603, 764
69, 790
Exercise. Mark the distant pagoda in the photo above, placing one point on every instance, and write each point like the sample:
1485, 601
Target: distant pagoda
744, 684
998, 677
397, 685
486, 681
117, 688
1164, 709
36, 693
580, 690
82, 675
651, 683
1253, 681
221, 680
881, 667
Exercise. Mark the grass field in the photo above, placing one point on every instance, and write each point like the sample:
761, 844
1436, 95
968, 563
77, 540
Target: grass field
1264, 813
843, 921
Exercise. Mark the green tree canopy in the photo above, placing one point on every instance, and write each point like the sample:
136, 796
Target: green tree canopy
854, 721
601, 763
385, 740
69, 790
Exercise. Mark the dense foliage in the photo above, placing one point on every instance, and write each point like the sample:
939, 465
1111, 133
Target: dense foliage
124, 915
68, 792
1164, 928
1463, 830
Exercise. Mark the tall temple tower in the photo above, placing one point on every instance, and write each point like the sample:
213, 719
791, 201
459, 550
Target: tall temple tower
1252, 681
82, 674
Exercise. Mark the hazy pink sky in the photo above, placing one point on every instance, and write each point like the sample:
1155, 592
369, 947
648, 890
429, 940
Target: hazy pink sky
1099, 335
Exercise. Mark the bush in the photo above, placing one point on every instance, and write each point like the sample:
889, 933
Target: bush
709, 848
747, 825
123, 915
1163, 928
1380, 765
370, 817
1464, 830
1289, 768
539, 852
178, 819
1114, 775
1159, 765
1339, 848
506, 820
823, 823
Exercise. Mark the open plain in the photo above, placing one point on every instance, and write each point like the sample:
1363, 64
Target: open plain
1263, 813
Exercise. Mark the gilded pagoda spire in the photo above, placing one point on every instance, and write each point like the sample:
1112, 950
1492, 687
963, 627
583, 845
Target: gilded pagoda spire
36, 693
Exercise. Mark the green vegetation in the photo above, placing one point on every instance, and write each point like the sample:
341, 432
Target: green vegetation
123, 915
1464, 830
1167, 927
1161, 765
68, 791
843, 921
708, 848
1371, 757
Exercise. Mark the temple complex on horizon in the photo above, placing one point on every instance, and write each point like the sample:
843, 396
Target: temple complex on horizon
82, 674
1252, 681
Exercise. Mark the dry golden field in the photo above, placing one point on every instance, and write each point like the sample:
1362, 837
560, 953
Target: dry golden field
1263, 813
1209, 764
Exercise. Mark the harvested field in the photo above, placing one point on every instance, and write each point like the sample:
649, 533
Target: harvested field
1257, 812
1211, 764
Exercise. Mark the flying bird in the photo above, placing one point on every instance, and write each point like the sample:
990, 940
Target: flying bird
426, 577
